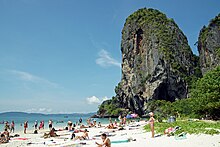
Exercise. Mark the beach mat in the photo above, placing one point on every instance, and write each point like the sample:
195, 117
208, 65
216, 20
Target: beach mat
180, 136
120, 141
20, 138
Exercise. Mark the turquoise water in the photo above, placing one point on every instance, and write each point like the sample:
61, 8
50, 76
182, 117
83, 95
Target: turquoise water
20, 118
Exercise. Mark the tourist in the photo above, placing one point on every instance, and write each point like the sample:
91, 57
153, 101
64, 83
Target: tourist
85, 136
105, 141
4, 138
50, 124
124, 120
35, 124
12, 127
50, 134
80, 121
88, 121
43, 124
7, 126
70, 125
40, 126
94, 123
151, 122
99, 125
115, 123
25, 127
120, 119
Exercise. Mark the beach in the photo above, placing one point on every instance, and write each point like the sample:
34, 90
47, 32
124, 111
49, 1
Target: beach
134, 135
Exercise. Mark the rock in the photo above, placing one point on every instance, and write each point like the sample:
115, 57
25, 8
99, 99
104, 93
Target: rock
209, 45
157, 62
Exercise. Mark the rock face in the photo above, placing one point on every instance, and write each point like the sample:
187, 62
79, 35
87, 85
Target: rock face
209, 45
157, 62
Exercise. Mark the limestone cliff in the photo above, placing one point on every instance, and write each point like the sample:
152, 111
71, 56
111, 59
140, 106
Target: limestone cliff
157, 62
209, 45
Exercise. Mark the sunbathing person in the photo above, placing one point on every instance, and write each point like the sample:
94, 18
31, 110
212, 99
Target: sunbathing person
105, 141
85, 136
111, 126
51, 134
4, 137
83, 126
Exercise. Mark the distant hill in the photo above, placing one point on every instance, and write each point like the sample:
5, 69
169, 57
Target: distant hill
40, 114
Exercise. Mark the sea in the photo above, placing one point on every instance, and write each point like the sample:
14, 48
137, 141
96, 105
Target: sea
59, 120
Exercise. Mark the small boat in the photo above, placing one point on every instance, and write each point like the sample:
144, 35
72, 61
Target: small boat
66, 116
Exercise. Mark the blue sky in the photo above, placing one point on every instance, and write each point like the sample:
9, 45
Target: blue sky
63, 56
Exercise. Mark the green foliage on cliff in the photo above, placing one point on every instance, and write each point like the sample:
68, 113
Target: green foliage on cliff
218, 51
204, 33
204, 101
216, 20
110, 108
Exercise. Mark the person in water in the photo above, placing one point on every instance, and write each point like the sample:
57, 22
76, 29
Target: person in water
25, 127
151, 122
105, 141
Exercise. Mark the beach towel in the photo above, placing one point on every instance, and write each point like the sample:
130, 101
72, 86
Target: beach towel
20, 138
181, 136
120, 141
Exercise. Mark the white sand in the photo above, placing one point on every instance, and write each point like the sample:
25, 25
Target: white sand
143, 139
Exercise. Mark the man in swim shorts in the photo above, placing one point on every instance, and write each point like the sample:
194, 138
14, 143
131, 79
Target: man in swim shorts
105, 141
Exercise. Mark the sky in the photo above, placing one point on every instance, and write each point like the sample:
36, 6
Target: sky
63, 56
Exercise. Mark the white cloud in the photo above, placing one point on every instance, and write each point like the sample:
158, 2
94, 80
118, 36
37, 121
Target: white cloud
105, 59
95, 100
27, 77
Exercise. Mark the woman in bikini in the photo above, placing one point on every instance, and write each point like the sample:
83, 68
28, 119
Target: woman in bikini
25, 127
151, 122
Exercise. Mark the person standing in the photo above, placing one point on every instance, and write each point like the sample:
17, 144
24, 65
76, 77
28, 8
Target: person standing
50, 124
35, 124
80, 121
25, 127
151, 122
12, 128
124, 120
43, 124
7, 126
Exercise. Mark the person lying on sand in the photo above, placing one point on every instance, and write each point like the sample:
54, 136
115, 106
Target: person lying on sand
111, 126
105, 141
85, 136
50, 134
83, 126
4, 138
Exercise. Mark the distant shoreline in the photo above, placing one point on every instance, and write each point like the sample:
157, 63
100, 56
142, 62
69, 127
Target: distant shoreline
31, 113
